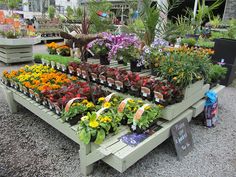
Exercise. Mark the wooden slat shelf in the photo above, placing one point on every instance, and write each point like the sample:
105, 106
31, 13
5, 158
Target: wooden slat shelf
112, 151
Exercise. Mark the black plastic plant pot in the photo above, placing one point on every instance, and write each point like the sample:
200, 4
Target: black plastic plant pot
120, 62
124, 121
225, 49
104, 60
134, 92
134, 67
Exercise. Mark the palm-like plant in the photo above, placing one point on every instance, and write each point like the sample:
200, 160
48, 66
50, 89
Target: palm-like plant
203, 12
152, 17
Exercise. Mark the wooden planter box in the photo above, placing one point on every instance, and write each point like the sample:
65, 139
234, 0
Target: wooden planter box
112, 151
170, 112
17, 50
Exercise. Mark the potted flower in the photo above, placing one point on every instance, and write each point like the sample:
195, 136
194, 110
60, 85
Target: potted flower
128, 48
145, 117
52, 48
76, 111
63, 50
101, 48
93, 129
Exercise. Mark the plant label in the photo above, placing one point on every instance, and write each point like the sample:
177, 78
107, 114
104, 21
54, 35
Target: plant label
84, 74
71, 69
78, 71
110, 82
25, 90
57, 109
94, 76
102, 78
122, 105
53, 64
158, 96
182, 138
63, 67
31, 92
145, 91
58, 66
119, 85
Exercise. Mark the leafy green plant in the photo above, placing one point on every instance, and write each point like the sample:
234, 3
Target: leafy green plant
51, 12
216, 73
37, 58
189, 41
203, 12
150, 114
215, 22
152, 19
205, 43
99, 24
80, 108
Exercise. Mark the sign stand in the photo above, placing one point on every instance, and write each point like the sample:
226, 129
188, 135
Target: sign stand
182, 138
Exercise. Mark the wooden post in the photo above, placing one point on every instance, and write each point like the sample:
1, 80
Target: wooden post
84, 151
10, 101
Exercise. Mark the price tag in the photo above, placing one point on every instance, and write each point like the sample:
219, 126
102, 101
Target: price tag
94, 76
119, 85
158, 96
145, 91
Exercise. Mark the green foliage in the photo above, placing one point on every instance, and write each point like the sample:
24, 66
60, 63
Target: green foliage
69, 12
99, 24
206, 43
58, 58
232, 29
11, 4
217, 72
189, 41
150, 114
37, 58
203, 12
51, 12
215, 22
184, 68
152, 20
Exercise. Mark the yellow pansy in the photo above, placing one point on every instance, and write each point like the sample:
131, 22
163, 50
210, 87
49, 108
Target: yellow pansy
93, 124
90, 105
85, 102
107, 105
130, 101
84, 118
101, 99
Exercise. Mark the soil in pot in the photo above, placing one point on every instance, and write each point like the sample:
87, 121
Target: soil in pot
134, 67
74, 120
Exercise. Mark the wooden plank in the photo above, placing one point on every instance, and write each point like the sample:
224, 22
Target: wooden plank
66, 130
129, 155
170, 112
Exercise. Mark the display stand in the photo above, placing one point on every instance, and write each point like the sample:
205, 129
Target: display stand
17, 50
112, 151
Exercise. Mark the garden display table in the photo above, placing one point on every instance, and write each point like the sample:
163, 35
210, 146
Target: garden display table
17, 50
112, 151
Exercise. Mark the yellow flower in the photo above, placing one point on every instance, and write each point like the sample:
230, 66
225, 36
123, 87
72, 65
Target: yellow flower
101, 99
85, 102
105, 119
84, 118
90, 105
131, 101
160, 106
174, 78
140, 101
147, 107
93, 124
74, 104
107, 105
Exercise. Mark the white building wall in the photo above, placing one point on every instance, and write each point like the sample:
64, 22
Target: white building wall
65, 3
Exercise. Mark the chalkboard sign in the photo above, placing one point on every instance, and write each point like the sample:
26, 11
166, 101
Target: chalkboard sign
182, 138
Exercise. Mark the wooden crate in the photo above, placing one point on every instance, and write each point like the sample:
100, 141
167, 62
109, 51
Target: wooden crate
17, 50
170, 112
112, 151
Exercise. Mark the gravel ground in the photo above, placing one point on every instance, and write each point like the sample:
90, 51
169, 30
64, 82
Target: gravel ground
29, 147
